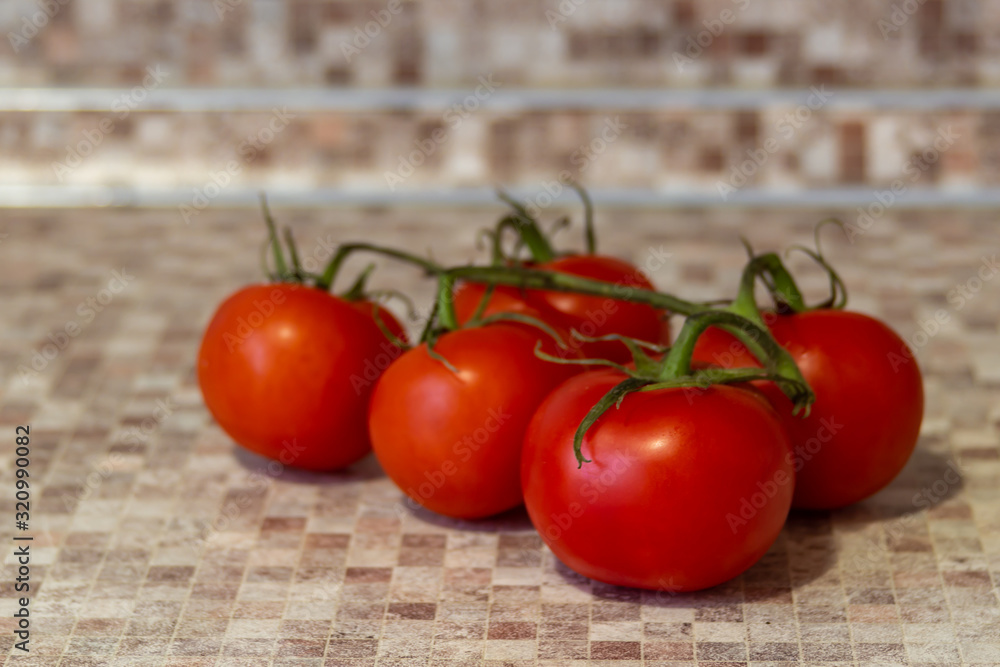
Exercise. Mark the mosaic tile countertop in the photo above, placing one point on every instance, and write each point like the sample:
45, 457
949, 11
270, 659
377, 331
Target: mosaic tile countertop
157, 542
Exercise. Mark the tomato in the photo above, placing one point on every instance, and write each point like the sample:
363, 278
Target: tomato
287, 372
388, 319
452, 441
504, 299
685, 489
592, 316
869, 401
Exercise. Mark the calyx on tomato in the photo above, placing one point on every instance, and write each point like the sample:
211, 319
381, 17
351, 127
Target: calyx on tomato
675, 369
291, 271
595, 316
869, 406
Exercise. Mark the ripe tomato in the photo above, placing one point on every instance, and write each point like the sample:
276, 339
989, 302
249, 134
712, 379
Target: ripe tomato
504, 299
452, 441
592, 316
287, 371
869, 401
388, 319
684, 490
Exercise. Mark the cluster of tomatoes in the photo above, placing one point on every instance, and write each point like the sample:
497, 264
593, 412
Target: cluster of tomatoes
554, 381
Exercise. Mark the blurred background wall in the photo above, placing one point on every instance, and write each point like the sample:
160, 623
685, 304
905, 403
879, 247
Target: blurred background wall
194, 103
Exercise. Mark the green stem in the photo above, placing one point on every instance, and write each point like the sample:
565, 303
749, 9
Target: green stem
357, 292
527, 228
445, 303
279, 257
774, 358
333, 267
588, 218
564, 282
294, 254
675, 371
785, 289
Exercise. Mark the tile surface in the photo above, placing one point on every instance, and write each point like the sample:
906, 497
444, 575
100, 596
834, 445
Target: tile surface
441, 43
157, 542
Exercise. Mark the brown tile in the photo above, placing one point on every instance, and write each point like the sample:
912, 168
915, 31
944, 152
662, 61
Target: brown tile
615, 651
412, 611
514, 630
852, 152
419, 541
327, 541
367, 575
969, 579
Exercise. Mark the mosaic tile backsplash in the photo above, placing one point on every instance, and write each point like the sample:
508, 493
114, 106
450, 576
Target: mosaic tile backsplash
137, 48
552, 43
140, 558
714, 151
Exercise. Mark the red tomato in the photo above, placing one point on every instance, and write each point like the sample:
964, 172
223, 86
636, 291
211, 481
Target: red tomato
504, 299
452, 442
684, 490
869, 401
388, 319
592, 316
287, 371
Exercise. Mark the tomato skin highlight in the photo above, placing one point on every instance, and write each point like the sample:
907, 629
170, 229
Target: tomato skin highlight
661, 504
292, 384
865, 422
452, 443
592, 316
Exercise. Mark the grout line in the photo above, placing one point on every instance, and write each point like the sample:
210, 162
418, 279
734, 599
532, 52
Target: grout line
52, 196
505, 100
